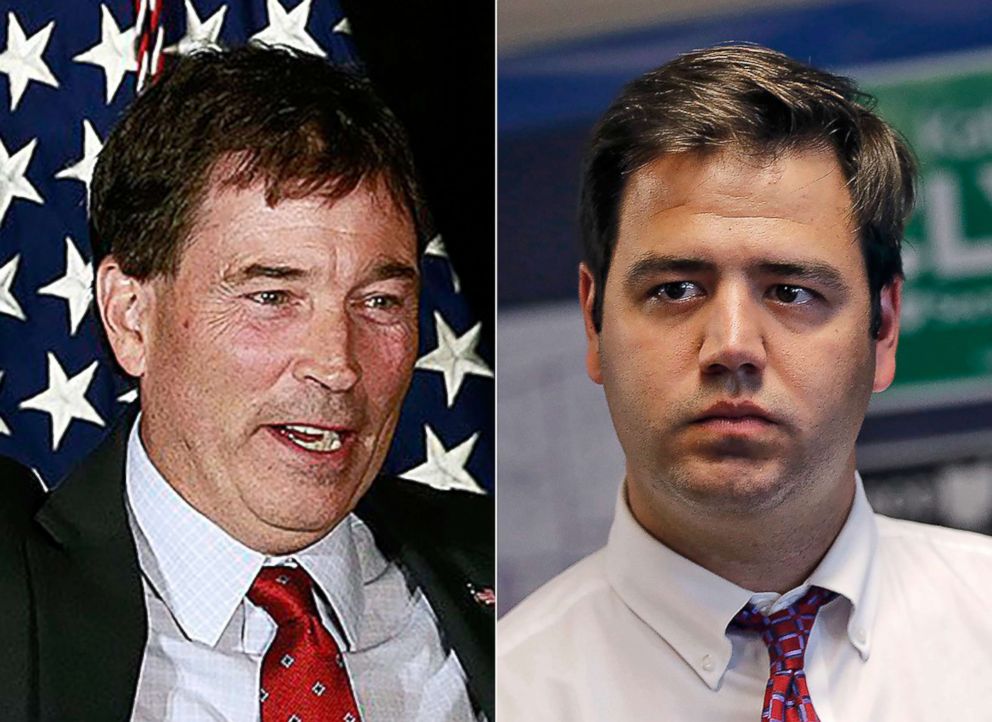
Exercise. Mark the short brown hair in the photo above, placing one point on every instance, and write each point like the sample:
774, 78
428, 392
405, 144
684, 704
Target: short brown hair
289, 120
762, 102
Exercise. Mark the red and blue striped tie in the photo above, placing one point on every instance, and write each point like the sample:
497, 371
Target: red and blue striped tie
786, 634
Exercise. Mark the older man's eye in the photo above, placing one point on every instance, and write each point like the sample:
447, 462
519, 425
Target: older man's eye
792, 295
677, 291
382, 302
270, 298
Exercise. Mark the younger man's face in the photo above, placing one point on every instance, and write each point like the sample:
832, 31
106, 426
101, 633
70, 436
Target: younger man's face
735, 350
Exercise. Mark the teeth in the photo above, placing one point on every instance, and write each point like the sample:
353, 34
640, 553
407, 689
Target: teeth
318, 439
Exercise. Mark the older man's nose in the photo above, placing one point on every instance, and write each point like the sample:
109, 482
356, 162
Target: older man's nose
327, 355
733, 335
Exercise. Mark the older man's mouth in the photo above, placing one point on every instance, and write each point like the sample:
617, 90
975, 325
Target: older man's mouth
312, 438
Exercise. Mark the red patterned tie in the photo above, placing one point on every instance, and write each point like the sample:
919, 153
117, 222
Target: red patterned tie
786, 633
303, 674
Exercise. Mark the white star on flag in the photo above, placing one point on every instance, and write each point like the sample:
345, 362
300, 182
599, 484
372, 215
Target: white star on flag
128, 397
289, 28
13, 184
114, 53
64, 399
455, 357
4, 429
342, 26
200, 34
82, 170
76, 286
445, 469
9, 304
437, 248
22, 62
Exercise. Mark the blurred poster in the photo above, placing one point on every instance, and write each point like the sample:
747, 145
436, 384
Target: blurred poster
944, 109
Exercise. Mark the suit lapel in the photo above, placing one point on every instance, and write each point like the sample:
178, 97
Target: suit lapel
91, 617
91, 620
468, 625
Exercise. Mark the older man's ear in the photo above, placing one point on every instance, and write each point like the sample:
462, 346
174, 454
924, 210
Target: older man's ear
123, 302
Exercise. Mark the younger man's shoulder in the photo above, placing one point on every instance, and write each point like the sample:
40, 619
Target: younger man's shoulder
553, 612
939, 542
952, 564
544, 642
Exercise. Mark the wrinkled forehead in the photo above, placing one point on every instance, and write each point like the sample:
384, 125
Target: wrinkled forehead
228, 180
244, 170
239, 225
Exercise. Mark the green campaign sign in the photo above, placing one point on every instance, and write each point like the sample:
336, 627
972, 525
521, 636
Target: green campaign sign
945, 349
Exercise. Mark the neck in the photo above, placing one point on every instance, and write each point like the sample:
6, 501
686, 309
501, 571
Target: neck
765, 550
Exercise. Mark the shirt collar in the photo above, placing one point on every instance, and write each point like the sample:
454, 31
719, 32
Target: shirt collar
849, 569
182, 553
690, 607
337, 570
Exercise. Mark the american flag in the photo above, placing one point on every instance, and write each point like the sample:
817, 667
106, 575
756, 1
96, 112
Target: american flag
67, 71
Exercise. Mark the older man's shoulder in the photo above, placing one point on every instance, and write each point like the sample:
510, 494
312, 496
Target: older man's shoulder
458, 517
21, 493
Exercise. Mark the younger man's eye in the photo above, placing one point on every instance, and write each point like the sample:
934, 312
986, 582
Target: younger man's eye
792, 295
677, 291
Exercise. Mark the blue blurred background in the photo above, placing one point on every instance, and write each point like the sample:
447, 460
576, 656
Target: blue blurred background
926, 448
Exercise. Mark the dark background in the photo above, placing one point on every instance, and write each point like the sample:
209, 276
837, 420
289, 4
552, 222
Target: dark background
434, 63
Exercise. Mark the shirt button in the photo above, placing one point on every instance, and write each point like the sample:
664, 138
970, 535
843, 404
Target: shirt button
861, 635
707, 663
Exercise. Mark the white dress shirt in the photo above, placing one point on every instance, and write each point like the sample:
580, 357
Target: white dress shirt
638, 632
206, 641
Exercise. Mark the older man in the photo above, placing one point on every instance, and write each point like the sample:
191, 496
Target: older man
225, 554
742, 217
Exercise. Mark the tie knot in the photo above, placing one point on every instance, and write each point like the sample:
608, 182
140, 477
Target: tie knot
786, 631
286, 593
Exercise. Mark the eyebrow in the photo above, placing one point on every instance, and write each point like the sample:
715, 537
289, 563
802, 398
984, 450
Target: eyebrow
262, 270
817, 272
394, 269
649, 266
813, 271
382, 272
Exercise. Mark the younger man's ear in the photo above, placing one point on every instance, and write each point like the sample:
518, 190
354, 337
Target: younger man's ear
587, 298
122, 302
888, 336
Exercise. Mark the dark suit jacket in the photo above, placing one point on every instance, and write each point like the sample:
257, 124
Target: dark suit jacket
72, 615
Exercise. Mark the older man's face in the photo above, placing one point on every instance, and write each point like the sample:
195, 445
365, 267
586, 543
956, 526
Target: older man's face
276, 361
735, 350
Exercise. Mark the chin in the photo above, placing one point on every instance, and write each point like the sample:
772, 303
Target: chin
310, 522
307, 509
733, 484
